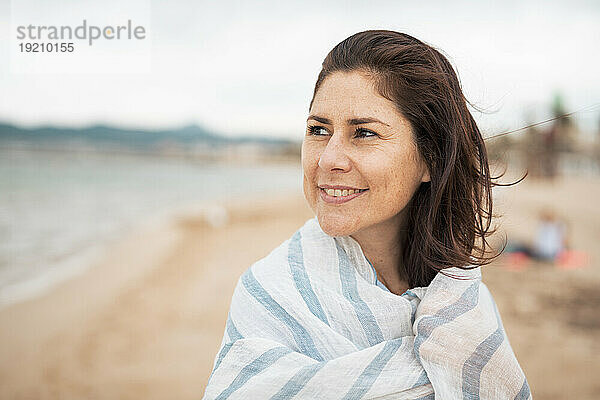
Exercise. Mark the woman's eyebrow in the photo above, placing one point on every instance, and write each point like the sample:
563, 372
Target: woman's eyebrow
351, 121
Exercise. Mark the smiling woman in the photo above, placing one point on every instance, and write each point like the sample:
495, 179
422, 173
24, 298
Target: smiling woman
382, 159
380, 294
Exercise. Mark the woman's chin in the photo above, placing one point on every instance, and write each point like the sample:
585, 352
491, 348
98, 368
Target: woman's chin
336, 225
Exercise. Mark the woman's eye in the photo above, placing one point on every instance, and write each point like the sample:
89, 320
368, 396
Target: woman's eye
317, 130
362, 132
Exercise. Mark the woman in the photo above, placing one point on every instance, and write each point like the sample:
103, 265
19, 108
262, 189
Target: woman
380, 295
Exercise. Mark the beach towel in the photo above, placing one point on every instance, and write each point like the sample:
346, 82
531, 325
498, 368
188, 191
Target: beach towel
309, 322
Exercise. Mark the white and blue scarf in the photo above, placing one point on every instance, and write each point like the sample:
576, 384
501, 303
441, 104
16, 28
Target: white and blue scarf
309, 322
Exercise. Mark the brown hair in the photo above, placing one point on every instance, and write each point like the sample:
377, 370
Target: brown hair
449, 217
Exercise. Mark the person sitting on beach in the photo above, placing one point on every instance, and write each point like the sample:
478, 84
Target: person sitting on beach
549, 245
380, 295
551, 237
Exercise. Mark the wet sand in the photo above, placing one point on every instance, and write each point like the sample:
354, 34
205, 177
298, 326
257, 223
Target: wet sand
146, 321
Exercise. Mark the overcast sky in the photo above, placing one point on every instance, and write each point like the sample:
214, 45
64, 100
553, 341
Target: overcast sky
240, 67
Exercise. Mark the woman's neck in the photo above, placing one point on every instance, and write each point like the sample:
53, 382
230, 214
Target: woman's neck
381, 245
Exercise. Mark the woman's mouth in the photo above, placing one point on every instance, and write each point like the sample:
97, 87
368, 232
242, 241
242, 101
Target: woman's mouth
338, 196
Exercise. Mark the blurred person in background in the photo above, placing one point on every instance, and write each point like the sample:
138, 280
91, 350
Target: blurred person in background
551, 237
548, 245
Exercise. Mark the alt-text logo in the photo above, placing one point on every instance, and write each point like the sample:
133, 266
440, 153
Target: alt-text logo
90, 33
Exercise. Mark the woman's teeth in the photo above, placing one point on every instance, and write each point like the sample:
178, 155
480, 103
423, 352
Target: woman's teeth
345, 192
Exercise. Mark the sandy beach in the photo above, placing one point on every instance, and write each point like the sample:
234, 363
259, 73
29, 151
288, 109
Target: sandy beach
147, 321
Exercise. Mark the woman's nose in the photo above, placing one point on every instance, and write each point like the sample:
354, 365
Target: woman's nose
335, 156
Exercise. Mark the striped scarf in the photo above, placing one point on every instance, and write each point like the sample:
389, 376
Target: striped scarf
309, 322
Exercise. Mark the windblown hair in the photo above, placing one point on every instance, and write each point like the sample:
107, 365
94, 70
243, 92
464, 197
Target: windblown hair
449, 218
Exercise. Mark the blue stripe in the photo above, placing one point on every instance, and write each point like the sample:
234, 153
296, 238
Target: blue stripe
298, 381
465, 303
473, 366
232, 331
363, 312
234, 335
296, 262
302, 337
524, 393
259, 364
366, 379
220, 357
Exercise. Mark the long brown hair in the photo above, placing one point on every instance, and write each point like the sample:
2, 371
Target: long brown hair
449, 217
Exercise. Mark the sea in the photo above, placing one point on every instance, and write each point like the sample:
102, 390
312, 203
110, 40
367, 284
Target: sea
60, 209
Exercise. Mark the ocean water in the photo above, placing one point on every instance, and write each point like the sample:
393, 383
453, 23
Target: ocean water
59, 209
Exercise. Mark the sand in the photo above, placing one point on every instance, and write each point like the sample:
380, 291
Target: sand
147, 320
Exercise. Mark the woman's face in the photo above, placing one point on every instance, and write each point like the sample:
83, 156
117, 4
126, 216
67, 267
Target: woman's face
356, 139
